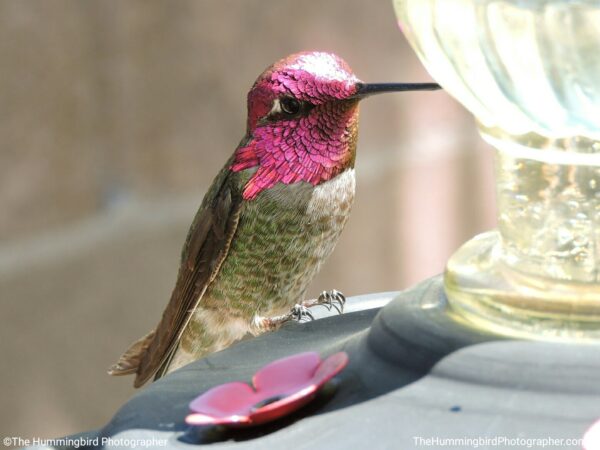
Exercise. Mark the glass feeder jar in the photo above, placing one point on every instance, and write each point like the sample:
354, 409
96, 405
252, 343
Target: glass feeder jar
529, 70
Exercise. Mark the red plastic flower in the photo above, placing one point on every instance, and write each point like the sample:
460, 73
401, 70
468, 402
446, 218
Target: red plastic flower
591, 439
280, 388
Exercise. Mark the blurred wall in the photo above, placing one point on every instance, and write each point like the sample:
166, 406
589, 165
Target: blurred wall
115, 115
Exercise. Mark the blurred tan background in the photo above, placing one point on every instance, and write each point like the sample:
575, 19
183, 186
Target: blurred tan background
114, 117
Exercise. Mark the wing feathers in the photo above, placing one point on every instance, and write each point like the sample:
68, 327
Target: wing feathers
205, 250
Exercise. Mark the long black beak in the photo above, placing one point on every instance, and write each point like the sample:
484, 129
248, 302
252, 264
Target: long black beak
367, 89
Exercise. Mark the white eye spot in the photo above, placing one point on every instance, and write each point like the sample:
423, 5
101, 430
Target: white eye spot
276, 109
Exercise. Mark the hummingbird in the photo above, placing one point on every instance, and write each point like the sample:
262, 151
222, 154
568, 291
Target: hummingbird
271, 217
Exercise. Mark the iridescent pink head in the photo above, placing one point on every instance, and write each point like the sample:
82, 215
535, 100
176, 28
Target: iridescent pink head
303, 121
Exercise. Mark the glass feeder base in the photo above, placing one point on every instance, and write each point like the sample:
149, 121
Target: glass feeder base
492, 296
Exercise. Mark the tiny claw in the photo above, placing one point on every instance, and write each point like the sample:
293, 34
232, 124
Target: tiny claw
300, 312
332, 299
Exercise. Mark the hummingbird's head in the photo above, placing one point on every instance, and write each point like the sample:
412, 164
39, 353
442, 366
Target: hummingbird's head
303, 121
292, 87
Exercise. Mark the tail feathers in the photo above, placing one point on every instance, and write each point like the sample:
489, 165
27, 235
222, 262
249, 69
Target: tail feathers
130, 360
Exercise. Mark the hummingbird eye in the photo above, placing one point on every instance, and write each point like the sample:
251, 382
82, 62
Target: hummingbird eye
285, 108
289, 105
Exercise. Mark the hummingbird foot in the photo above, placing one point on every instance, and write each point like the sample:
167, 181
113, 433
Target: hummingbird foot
329, 299
300, 312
